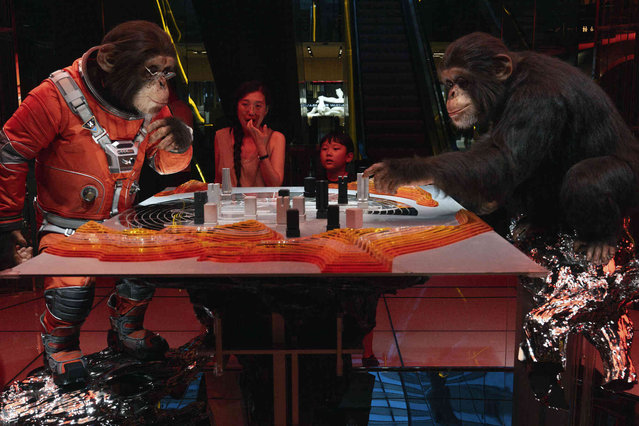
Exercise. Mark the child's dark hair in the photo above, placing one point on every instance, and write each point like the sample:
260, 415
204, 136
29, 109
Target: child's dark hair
238, 133
340, 138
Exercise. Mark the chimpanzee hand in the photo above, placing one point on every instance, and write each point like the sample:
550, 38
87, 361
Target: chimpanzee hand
392, 173
599, 253
14, 248
173, 134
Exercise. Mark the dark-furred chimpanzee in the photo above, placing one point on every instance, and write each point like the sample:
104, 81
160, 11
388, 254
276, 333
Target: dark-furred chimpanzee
90, 128
553, 148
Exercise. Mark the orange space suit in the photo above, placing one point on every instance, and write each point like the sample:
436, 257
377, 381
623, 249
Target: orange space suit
76, 182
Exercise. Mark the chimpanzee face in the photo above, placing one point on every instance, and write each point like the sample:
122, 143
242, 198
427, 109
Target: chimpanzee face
153, 93
460, 105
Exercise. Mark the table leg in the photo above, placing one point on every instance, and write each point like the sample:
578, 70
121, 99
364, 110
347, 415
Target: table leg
219, 354
279, 370
295, 403
340, 361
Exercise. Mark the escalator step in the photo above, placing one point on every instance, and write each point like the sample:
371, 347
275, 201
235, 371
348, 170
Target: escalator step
395, 48
393, 113
382, 39
397, 150
407, 90
410, 127
384, 57
386, 139
383, 46
398, 78
385, 67
380, 19
396, 98
380, 29
377, 4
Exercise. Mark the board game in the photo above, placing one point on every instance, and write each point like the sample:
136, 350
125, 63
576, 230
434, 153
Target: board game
180, 211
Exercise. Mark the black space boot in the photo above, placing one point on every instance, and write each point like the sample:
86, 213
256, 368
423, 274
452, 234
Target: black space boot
66, 310
127, 306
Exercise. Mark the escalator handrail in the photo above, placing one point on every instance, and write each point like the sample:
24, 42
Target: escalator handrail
422, 54
358, 108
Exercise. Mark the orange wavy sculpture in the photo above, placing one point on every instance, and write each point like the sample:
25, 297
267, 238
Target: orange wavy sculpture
188, 186
419, 195
340, 250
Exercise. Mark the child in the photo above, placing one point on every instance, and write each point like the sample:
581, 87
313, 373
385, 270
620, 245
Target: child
336, 154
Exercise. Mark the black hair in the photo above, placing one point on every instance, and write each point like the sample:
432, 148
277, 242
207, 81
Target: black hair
238, 133
340, 138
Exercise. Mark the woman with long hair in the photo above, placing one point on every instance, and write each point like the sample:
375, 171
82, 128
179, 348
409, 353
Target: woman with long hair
254, 152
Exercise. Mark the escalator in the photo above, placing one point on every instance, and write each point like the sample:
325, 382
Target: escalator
400, 108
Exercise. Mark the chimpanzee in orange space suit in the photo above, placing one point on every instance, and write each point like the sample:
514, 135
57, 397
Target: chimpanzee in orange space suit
90, 129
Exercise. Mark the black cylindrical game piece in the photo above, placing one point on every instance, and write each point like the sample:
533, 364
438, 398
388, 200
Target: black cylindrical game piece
321, 198
342, 190
309, 187
199, 199
292, 223
333, 217
284, 192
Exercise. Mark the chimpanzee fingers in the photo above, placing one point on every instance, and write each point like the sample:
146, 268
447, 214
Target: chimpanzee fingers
168, 143
373, 169
156, 125
161, 133
597, 253
22, 254
18, 238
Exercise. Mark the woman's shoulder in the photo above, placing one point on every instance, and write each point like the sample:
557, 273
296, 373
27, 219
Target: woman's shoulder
224, 135
226, 131
278, 136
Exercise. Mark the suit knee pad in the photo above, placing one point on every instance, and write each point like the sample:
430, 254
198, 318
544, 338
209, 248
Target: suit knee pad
134, 289
70, 304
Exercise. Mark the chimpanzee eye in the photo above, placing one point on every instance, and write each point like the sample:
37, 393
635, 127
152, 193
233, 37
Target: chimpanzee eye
461, 82
449, 84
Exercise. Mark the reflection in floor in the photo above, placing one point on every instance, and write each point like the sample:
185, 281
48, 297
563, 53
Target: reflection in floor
445, 348
442, 397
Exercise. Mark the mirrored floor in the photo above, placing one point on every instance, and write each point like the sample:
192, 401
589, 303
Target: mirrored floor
445, 351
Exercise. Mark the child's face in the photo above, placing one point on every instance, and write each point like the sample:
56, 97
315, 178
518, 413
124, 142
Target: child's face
252, 107
334, 156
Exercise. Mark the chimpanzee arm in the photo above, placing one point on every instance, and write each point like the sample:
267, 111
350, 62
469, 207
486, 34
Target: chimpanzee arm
510, 153
595, 196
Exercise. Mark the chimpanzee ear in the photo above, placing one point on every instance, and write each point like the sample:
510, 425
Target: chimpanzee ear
503, 66
105, 57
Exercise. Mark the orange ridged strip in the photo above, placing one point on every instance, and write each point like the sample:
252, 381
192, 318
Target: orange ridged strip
188, 186
415, 193
340, 250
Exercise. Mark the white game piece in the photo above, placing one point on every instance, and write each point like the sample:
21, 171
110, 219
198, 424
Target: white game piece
213, 192
250, 207
210, 213
283, 204
362, 187
299, 203
227, 187
354, 218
